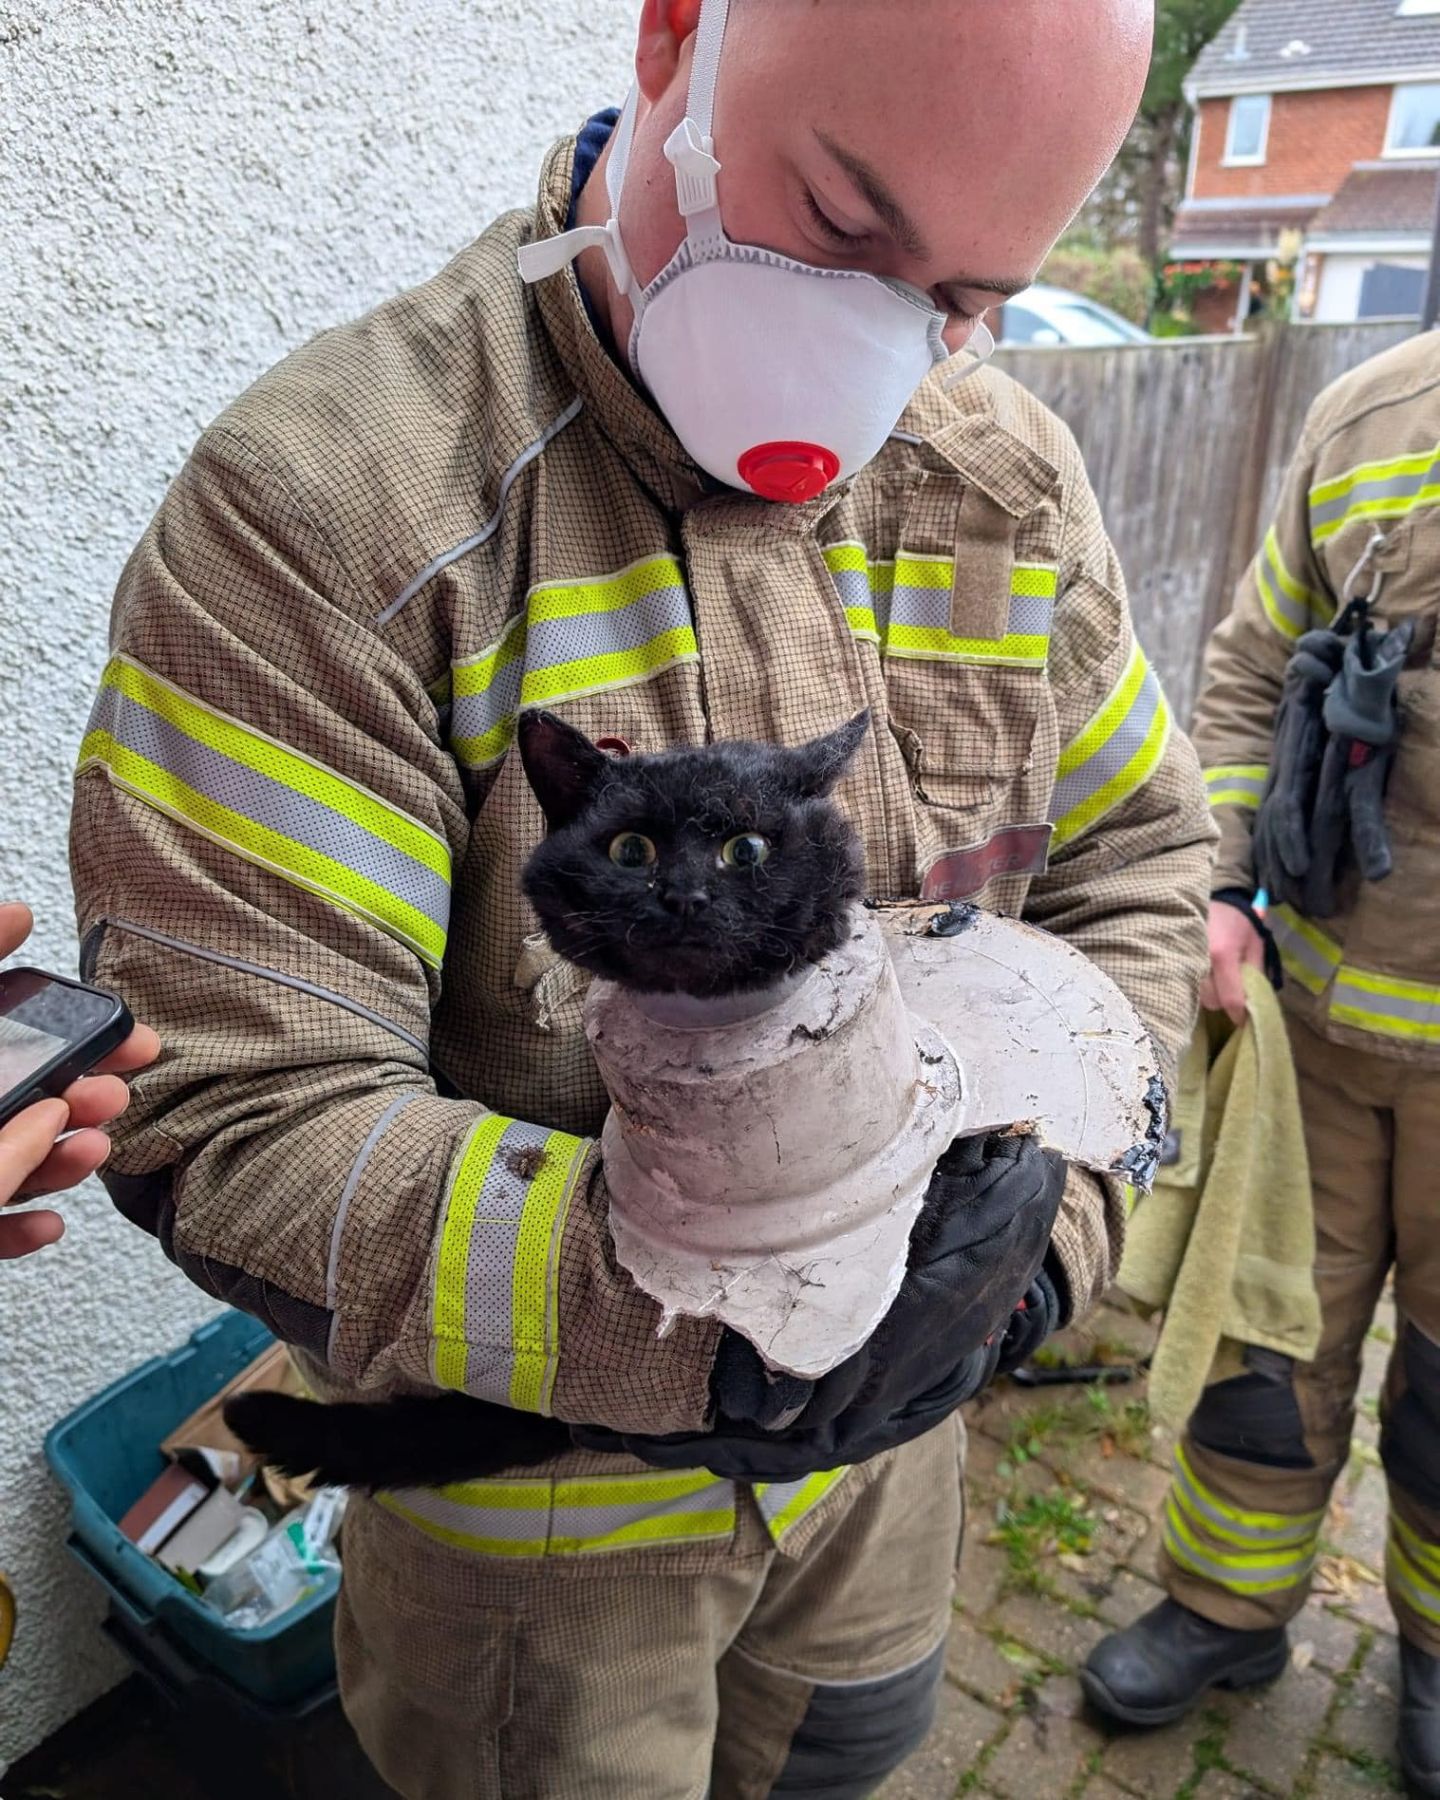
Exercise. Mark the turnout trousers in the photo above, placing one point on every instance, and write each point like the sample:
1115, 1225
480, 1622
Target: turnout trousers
1246, 1512
734, 1669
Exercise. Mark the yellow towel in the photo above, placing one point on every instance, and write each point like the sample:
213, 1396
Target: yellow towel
1225, 1244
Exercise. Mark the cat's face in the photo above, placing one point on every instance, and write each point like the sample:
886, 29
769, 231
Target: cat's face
700, 871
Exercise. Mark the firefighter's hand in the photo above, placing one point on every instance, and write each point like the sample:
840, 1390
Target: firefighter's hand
54, 1144
1234, 945
977, 1246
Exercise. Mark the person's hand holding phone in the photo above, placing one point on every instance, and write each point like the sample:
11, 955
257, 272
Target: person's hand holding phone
34, 1156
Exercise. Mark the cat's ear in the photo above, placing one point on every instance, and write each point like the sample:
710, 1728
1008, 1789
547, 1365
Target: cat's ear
561, 764
817, 766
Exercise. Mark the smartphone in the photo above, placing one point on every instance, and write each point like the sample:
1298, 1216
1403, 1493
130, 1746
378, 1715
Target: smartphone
51, 1030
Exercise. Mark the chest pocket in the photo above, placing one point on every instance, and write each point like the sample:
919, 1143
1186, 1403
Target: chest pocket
1407, 562
962, 621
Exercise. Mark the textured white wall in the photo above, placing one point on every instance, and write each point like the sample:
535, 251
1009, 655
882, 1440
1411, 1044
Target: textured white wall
188, 189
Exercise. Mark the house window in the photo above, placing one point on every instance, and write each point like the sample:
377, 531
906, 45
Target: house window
1414, 120
1249, 128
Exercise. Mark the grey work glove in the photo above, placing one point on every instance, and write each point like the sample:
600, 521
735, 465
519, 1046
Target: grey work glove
977, 1248
1362, 718
1282, 845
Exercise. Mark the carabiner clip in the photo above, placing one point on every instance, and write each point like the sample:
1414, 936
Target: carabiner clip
1348, 597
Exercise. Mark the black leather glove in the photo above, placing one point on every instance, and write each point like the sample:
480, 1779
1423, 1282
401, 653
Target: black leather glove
1040, 1313
979, 1242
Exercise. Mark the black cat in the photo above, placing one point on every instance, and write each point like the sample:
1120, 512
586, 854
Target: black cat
701, 871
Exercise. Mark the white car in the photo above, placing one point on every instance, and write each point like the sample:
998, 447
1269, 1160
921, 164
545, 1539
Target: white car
1051, 315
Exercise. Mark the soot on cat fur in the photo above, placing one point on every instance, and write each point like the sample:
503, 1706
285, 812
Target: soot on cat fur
694, 907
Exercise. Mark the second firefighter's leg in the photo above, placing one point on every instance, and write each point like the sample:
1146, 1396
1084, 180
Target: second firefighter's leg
1255, 1468
1410, 1429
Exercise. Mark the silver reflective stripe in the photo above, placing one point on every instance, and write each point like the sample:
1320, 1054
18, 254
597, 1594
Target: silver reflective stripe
273, 805
853, 587
1309, 961
1384, 493
1116, 754
1360, 994
1298, 1532
1236, 786
612, 632
1240, 1571
1289, 607
486, 691
491, 525
489, 1281
186, 948
580, 1517
342, 1212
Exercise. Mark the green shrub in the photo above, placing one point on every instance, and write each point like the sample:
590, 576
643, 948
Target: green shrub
1119, 279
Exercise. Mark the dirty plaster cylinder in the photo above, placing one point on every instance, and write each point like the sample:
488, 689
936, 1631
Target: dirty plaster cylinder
767, 1154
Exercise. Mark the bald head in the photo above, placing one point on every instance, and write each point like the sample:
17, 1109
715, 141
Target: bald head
946, 143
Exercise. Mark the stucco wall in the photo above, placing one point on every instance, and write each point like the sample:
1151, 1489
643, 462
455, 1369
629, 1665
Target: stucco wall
190, 188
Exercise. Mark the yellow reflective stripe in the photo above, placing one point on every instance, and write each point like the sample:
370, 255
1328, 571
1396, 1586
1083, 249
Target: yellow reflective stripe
925, 643
1109, 718
254, 750
1396, 1008
1037, 581
1364, 1019
1307, 953
495, 1305
1421, 1594
1391, 489
462, 1198
536, 1332
1253, 1531
861, 620
283, 856
1290, 585
1236, 784
810, 1494
1089, 784
476, 675
606, 593
900, 606
849, 556
616, 668
274, 807
1425, 1557
558, 1517
1258, 1571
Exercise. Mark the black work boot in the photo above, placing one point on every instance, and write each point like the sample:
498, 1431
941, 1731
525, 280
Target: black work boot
1419, 1719
1156, 1669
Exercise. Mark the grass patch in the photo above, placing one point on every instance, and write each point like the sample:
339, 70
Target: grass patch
1370, 1406
1380, 1334
1209, 1754
1032, 1431
1038, 1527
1376, 1771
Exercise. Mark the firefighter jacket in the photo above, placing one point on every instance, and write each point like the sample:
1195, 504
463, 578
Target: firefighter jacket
299, 830
1368, 463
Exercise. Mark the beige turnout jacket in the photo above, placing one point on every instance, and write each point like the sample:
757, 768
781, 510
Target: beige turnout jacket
299, 831
1368, 462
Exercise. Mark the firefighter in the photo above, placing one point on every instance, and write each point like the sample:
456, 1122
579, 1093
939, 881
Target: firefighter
680, 454
1319, 723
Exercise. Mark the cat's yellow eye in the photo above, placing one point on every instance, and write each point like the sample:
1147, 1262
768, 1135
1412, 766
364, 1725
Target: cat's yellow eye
745, 852
631, 850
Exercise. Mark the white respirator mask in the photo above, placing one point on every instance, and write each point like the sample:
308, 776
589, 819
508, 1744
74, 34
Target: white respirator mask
777, 377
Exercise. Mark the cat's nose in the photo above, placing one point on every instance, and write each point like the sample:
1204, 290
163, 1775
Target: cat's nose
685, 903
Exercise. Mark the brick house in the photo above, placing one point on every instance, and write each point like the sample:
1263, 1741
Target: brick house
1316, 146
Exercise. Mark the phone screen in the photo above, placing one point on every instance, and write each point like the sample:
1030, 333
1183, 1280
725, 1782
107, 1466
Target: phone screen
41, 1018
24, 1051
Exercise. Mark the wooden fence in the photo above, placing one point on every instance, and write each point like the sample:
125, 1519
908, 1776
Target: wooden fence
1187, 441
